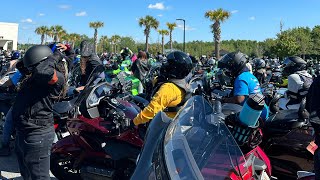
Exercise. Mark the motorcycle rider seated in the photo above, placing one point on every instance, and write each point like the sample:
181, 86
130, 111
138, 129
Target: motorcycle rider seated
299, 81
171, 90
245, 83
88, 62
140, 68
316, 70
260, 72
125, 52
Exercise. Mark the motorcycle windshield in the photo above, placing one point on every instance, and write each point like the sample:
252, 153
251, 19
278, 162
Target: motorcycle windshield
199, 146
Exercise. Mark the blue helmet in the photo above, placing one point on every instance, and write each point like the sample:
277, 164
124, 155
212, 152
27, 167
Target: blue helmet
15, 55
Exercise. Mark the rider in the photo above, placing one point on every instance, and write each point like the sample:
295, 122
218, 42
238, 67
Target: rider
125, 52
89, 60
32, 112
313, 105
77, 57
317, 70
172, 88
245, 83
299, 81
260, 72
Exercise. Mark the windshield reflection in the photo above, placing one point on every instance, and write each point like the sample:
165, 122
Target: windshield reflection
199, 146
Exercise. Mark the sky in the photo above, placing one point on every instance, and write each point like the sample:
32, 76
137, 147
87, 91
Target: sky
250, 19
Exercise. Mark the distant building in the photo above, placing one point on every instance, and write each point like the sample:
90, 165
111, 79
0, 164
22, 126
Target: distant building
8, 34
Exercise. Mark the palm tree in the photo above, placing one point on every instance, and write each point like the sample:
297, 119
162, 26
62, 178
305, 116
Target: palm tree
115, 39
73, 37
66, 38
42, 30
171, 27
163, 32
148, 22
103, 42
57, 32
96, 25
217, 16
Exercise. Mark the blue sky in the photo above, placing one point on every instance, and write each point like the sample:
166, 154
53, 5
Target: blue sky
251, 19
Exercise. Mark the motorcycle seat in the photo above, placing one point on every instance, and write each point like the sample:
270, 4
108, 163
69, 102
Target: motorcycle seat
63, 107
286, 120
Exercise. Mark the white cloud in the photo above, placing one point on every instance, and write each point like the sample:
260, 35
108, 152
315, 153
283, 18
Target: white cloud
160, 15
159, 6
64, 6
188, 28
82, 13
28, 20
252, 18
41, 14
234, 11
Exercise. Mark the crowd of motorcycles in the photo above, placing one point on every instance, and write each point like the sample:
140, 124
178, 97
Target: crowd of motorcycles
204, 141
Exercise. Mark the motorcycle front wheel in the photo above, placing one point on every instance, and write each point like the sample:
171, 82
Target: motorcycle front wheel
61, 167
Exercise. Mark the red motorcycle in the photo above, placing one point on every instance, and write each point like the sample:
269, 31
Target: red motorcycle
100, 144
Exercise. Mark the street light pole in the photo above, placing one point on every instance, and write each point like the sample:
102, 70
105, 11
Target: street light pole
184, 33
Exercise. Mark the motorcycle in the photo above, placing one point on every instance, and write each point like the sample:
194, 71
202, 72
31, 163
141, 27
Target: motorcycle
100, 144
196, 145
286, 135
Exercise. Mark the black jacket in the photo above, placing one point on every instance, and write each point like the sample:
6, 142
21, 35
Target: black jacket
313, 106
140, 69
92, 63
32, 110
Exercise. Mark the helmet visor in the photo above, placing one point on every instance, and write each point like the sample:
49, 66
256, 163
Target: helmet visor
288, 62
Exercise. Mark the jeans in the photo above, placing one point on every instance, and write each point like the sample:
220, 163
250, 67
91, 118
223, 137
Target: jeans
33, 153
8, 128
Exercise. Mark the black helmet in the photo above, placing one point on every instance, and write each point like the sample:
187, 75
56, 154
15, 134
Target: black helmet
77, 51
178, 65
234, 62
36, 54
293, 64
259, 63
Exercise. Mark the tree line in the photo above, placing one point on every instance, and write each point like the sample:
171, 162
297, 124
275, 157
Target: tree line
302, 41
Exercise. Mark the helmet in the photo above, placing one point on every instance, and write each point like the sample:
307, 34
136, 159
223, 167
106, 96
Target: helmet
77, 51
293, 64
317, 69
211, 62
259, 64
178, 65
36, 54
234, 62
15, 55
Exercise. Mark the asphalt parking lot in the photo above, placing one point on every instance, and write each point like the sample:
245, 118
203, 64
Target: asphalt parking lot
9, 167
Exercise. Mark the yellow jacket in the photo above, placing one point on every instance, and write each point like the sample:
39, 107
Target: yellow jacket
168, 95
